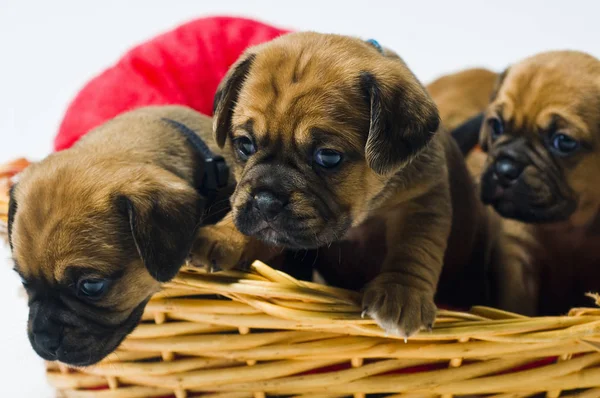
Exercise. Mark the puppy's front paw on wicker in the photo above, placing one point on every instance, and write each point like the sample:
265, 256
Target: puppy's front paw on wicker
218, 248
398, 309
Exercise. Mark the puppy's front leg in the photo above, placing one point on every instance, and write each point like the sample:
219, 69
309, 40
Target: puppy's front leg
400, 298
221, 247
516, 273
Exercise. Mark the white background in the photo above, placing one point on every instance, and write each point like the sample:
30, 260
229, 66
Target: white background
50, 48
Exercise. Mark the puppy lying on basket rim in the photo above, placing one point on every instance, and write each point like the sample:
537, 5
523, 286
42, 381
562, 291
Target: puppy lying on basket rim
95, 229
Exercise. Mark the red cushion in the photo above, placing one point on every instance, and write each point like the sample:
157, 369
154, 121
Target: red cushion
183, 66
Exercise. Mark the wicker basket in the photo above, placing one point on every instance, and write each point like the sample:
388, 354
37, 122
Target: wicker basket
263, 333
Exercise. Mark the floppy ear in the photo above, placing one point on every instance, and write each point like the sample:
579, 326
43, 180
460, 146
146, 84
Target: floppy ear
467, 134
12, 211
163, 223
499, 82
484, 138
403, 119
226, 97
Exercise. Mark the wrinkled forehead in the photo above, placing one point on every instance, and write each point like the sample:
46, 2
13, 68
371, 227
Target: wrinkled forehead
538, 98
48, 251
296, 97
55, 229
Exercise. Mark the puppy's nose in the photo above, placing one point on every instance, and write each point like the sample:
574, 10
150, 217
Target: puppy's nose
268, 204
507, 169
47, 341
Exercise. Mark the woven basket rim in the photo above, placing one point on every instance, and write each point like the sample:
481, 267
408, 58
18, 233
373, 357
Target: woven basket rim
266, 332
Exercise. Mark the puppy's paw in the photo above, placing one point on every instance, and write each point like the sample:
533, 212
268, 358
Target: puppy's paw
218, 248
398, 309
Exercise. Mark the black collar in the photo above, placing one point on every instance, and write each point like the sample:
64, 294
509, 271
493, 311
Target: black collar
216, 171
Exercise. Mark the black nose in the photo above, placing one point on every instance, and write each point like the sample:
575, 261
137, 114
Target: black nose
47, 341
507, 169
46, 333
268, 204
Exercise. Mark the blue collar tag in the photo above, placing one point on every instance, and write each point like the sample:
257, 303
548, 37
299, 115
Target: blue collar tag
375, 44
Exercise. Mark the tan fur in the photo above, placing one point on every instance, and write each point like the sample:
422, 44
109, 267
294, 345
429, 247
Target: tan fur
67, 217
45, 232
560, 262
547, 267
461, 95
565, 84
285, 94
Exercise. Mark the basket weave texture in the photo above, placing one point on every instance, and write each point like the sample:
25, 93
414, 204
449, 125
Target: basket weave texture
263, 333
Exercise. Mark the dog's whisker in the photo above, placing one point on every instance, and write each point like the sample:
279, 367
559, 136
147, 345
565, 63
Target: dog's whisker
316, 257
305, 254
216, 212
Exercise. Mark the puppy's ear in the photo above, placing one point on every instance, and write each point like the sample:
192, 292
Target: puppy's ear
483, 137
226, 97
12, 211
163, 222
484, 134
467, 134
499, 82
403, 119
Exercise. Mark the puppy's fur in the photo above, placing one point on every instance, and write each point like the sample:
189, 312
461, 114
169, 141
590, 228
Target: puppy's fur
307, 91
462, 98
550, 231
119, 206
462, 95
555, 193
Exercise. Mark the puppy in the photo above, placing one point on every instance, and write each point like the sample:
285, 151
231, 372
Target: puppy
541, 132
95, 229
462, 98
462, 95
335, 140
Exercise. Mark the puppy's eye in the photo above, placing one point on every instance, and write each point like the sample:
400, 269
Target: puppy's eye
92, 289
563, 144
497, 128
327, 158
244, 147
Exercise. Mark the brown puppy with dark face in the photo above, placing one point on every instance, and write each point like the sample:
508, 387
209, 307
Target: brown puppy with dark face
542, 135
95, 229
462, 98
334, 137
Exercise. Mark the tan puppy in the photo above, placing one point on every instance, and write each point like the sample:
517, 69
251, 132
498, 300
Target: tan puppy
542, 135
96, 228
462, 98
333, 137
541, 131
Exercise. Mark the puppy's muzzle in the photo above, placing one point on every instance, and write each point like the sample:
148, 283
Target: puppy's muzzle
269, 204
46, 333
505, 173
522, 185
507, 170
278, 205
57, 333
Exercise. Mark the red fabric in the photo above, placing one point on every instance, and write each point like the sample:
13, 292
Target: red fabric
183, 66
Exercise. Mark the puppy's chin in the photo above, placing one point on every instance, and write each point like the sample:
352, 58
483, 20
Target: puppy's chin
84, 346
288, 230
519, 201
